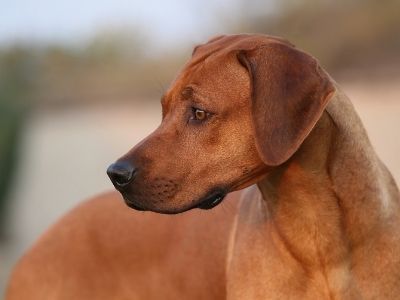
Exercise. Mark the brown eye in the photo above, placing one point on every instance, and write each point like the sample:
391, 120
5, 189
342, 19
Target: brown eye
200, 114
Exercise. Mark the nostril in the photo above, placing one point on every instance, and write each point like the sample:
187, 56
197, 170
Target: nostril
121, 173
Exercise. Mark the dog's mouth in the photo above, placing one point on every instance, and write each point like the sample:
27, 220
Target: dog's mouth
212, 200
131, 204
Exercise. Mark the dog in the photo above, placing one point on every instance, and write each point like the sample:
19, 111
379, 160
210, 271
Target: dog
318, 216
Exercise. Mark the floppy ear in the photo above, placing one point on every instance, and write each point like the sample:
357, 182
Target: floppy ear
213, 39
289, 93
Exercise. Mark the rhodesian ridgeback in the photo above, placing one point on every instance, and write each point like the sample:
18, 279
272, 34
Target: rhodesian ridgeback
320, 218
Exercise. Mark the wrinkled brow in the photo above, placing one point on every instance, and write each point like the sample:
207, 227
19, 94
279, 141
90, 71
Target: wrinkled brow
187, 92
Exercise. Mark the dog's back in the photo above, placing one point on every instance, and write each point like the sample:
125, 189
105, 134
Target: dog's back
104, 250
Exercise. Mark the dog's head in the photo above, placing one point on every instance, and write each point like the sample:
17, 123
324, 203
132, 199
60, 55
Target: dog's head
242, 105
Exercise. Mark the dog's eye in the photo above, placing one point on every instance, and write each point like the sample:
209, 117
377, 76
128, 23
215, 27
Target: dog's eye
199, 114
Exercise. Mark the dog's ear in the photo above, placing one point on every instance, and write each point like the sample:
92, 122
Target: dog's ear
211, 40
289, 93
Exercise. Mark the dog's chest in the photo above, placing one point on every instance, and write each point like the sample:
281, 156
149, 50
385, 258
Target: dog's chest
258, 270
262, 266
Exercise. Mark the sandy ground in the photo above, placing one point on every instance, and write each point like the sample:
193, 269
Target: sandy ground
69, 151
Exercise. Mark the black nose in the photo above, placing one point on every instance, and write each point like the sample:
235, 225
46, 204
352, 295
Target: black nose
121, 173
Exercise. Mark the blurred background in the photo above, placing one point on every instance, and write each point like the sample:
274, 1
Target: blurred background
80, 83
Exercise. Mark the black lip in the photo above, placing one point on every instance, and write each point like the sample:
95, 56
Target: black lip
212, 200
132, 205
208, 202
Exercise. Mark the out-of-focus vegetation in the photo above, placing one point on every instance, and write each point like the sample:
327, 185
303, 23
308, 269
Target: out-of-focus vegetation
123, 65
114, 66
15, 70
351, 34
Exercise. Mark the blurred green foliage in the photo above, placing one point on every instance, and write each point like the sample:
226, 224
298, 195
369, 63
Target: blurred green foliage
11, 120
111, 67
123, 65
342, 34
15, 64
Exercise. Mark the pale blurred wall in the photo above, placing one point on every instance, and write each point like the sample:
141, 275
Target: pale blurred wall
94, 87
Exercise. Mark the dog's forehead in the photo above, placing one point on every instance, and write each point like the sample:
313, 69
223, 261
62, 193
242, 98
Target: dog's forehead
216, 49
218, 52
228, 43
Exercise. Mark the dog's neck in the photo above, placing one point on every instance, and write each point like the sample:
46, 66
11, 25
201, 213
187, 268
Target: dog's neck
333, 196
